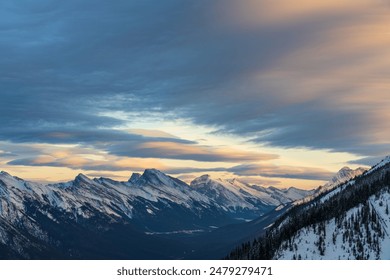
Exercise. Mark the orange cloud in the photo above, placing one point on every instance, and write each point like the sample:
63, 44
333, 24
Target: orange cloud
252, 13
204, 153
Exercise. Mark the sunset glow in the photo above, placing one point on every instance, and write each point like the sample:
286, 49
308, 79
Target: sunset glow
276, 93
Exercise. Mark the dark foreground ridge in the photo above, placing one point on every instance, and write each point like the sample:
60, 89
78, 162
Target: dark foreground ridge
349, 222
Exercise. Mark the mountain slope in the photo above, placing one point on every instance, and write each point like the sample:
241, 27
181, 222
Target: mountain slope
350, 221
248, 201
345, 174
361, 233
76, 220
102, 218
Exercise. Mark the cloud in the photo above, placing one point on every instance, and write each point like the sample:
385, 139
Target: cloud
6, 154
187, 178
262, 170
367, 161
306, 74
72, 160
104, 175
153, 133
255, 12
78, 158
122, 144
76, 162
249, 180
259, 181
279, 171
189, 170
184, 151
79, 135
330, 93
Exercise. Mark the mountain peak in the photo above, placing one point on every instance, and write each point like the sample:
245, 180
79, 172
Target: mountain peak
82, 178
343, 172
154, 176
134, 178
6, 174
152, 171
200, 180
343, 175
344, 169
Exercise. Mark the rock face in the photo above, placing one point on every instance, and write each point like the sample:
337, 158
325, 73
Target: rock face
134, 178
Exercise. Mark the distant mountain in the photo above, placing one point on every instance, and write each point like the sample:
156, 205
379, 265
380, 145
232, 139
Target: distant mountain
349, 221
244, 200
138, 219
345, 174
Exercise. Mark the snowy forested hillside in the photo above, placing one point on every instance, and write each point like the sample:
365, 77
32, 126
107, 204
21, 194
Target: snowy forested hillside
351, 221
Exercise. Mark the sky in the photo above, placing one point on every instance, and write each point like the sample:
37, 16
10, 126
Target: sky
274, 92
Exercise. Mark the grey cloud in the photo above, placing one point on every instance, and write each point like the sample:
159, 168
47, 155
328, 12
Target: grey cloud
105, 166
11, 150
367, 161
6, 154
66, 63
184, 170
183, 151
103, 174
264, 170
88, 136
249, 170
91, 165
296, 172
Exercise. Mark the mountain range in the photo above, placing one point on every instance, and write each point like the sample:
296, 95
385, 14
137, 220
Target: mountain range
149, 216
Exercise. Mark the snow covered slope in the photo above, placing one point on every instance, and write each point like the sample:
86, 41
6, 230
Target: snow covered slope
145, 197
363, 232
350, 221
345, 174
235, 195
144, 200
49, 218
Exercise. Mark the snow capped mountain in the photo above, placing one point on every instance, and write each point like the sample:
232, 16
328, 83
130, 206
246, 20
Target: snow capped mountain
67, 220
155, 177
153, 187
345, 174
161, 186
234, 194
350, 221
38, 219
134, 178
288, 195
